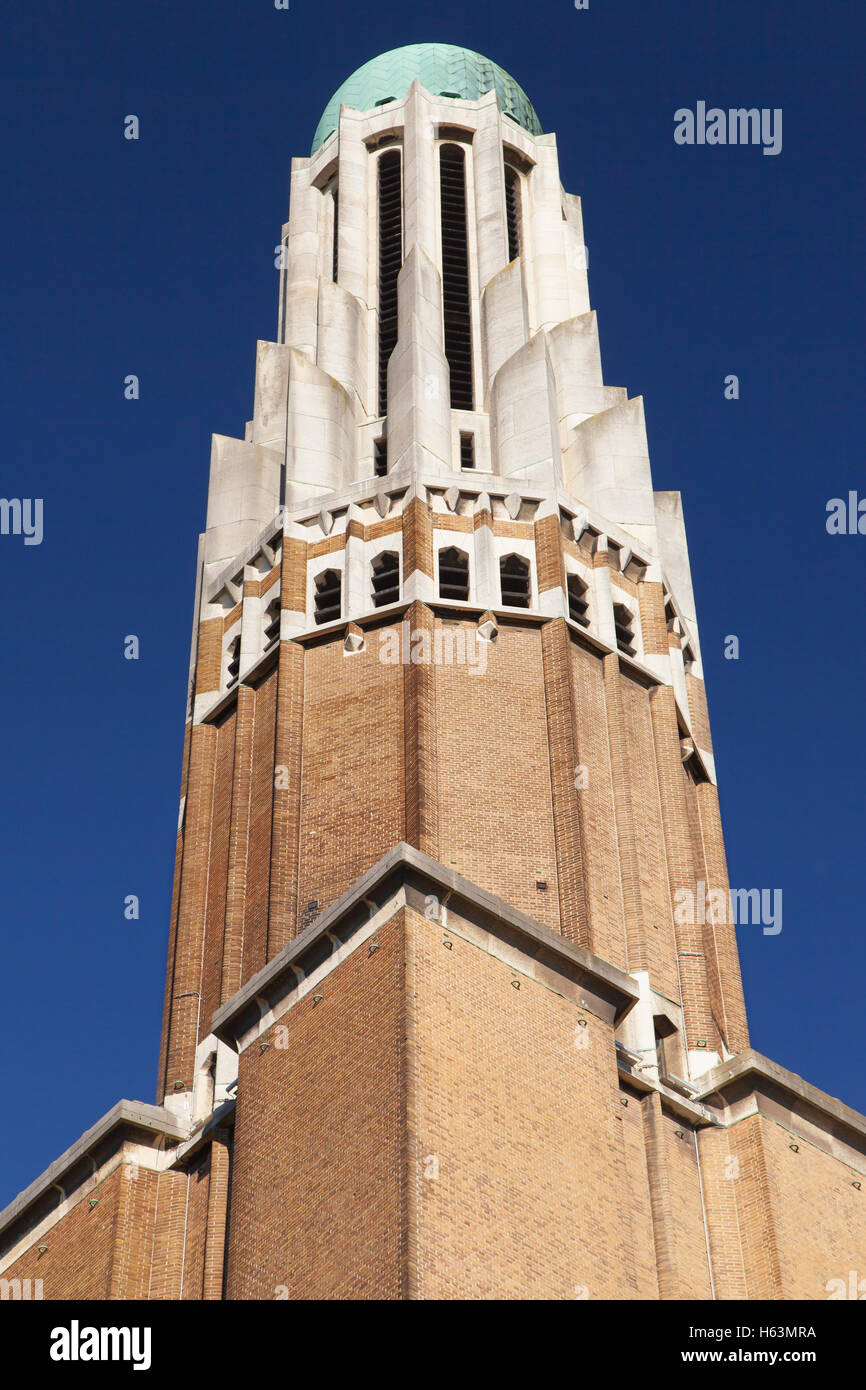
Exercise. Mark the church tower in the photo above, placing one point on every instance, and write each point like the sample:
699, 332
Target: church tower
453, 1003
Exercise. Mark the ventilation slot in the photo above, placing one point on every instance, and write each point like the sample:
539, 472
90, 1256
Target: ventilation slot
380, 458
514, 581
335, 256
272, 621
328, 596
512, 211
467, 451
386, 579
390, 261
624, 625
455, 275
454, 574
578, 605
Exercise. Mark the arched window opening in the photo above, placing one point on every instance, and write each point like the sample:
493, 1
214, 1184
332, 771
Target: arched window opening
623, 620
328, 596
512, 211
455, 275
234, 660
386, 579
390, 261
454, 574
514, 581
578, 603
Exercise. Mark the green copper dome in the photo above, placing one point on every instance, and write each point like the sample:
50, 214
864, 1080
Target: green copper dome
444, 70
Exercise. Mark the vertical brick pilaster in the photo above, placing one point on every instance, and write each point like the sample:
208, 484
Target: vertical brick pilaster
568, 817
729, 981
683, 872
652, 618
550, 566
419, 725
256, 898
185, 973
624, 814
417, 539
236, 885
286, 782
217, 1209
660, 1197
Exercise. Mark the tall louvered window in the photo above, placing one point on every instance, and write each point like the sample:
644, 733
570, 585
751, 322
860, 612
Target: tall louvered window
455, 275
335, 255
272, 621
623, 620
454, 574
514, 581
328, 596
234, 660
512, 211
386, 579
390, 261
578, 604
380, 457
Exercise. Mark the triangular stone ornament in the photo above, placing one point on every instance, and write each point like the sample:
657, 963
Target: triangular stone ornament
326, 521
579, 523
452, 497
624, 558
382, 503
687, 748
488, 629
512, 505
353, 640
483, 503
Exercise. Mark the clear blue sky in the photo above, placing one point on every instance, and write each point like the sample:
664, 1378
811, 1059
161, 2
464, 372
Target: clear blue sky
156, 258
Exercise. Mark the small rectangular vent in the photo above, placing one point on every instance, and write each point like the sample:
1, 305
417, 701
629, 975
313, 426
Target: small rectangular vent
467, 450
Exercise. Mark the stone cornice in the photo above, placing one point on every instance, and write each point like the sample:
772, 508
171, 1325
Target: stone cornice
406, 877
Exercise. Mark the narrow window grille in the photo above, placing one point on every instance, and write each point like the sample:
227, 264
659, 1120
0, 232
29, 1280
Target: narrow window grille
272, 623
512, 211
578, 605
380, 458
454, 574
328, 596
514, 581
390, 261
467, 450
624, 625
335, 255
234, 662
455, 275
386, 579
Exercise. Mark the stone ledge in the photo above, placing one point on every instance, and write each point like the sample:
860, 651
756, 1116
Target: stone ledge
750, 1083
404, 868
153, 1121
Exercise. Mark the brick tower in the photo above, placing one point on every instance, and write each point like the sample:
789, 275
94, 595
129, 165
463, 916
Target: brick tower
453, 1003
